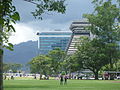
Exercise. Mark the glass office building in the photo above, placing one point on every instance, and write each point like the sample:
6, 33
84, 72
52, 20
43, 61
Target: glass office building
51, 40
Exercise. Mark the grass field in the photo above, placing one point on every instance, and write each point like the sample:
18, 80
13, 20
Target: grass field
54, 85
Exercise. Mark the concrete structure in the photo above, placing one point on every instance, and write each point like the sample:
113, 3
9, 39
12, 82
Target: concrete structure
51, 40
78, 30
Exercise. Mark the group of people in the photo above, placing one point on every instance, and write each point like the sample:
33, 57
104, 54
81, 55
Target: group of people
63, 79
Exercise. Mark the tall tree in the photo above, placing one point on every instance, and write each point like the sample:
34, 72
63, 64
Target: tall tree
105, 23
91, 54
9, 15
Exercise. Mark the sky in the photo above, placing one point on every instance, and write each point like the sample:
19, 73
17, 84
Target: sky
28, 26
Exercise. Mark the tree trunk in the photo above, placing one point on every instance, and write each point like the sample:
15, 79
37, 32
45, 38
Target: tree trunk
1, 62
1, 68
40, 76
96, 75
1, 49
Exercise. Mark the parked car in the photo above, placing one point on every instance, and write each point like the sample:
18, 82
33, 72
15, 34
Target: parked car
118, 77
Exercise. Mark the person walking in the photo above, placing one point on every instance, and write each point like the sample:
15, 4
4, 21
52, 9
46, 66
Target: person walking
61, 79
65, 78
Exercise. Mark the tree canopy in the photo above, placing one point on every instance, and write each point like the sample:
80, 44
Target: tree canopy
105, 23
48, 64
92, 55
41, 65
12, 66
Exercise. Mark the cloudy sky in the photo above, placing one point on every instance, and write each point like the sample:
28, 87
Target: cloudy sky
28, 26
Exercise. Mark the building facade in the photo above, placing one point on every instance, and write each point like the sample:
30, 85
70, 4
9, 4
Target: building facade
51, 40
78, 29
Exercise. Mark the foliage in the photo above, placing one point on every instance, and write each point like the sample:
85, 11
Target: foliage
91, 54
8, 15
40, 64
97, 2
71, 63
5, 67
105, 21
116, 67
13, 67
57, 56
45, 6
48, 64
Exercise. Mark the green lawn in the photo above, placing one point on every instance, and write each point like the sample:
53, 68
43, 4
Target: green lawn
54, 85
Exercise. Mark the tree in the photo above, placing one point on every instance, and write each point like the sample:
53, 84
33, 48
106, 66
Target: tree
72, 64
48, 64
11, 66
8, 15
6, 67
57, 56
40, 64
91, 54
105, 23
15, 67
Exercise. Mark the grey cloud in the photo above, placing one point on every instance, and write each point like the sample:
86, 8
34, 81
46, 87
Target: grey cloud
47, 25
75, 9
24, 8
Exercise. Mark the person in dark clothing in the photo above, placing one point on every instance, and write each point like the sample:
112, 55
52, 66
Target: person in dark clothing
35, 77
12, 77
61, 80
5, 77
65, 78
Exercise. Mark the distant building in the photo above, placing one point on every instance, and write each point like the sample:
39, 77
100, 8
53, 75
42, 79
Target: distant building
78, 30
51, 40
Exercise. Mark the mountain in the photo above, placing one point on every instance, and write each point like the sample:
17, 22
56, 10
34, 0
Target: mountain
22, 53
